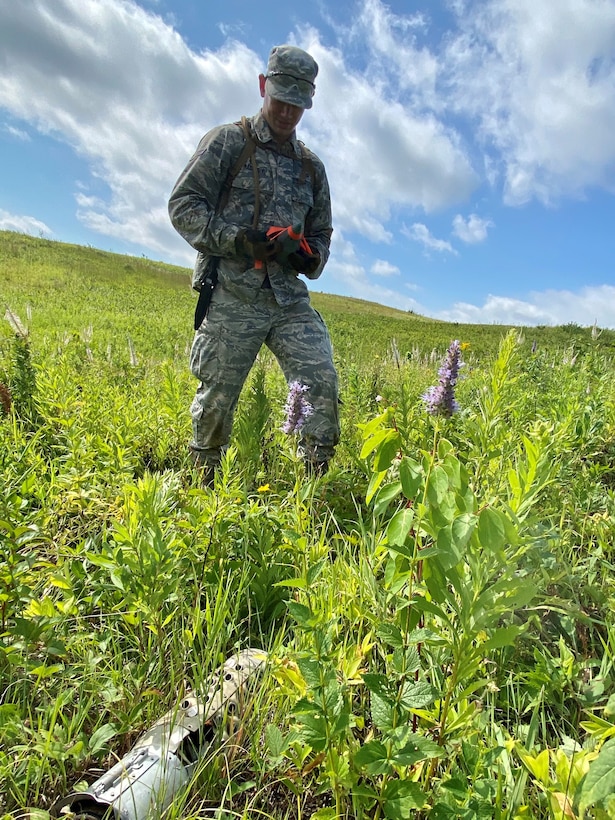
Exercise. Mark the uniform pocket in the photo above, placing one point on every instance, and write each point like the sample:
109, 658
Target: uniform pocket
205, 356
302, 200
303, 193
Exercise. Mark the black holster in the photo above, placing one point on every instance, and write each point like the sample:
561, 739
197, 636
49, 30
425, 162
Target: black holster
205, 287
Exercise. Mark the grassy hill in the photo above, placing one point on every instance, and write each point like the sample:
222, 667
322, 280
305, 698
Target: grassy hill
439, 608
37, 275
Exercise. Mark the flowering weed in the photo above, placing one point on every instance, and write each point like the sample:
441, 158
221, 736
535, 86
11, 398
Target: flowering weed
440, 399
297, 408
439, 610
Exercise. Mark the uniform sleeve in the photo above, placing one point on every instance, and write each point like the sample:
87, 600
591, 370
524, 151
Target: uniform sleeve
193, 201
318, 228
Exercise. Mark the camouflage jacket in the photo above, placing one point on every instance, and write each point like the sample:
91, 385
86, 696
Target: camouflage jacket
287, 197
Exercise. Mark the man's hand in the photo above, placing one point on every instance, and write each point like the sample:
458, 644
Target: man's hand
304, 262
255, 245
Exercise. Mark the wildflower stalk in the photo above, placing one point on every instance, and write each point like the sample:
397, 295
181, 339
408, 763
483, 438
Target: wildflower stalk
297, 408
440, 398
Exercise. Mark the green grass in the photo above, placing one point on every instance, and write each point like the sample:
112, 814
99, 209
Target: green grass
438, 609
66, 289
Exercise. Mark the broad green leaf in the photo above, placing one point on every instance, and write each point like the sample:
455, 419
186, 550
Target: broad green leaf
366, 794
437, 486
46, 671
426, 636
101, 737
293, 583
300, 612
417, 694
315, 570
383, 712
401, 797
311, 671
396, 570
436, 581
400, 526
369, 427
386, 451
380, 439
373, 757
313, 730
448, 554
59, 582
445, 449
537, 764
474, 686
374, 482
385, 495
42, 607
415, 748
274, 740
441, 811
453, 469
327, 813
422, 604
377, 683
390, 634
406, 661
505, 636
411, 477
491, 529
462, 529
600, 780
465, 501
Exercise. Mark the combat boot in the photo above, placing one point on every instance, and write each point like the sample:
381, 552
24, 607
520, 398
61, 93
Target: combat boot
316, 469
315, 457
206, 468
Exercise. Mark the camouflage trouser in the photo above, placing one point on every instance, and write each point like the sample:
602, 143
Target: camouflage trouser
225, 348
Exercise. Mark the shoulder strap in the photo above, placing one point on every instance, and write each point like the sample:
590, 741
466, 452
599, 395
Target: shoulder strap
246, 154
307, 165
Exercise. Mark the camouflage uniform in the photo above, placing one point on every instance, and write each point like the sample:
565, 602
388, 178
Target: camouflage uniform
251, 306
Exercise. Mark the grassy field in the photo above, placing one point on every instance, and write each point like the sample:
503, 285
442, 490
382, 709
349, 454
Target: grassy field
438, 609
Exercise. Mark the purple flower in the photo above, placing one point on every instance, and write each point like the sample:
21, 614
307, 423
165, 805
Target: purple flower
440, 399
297, 408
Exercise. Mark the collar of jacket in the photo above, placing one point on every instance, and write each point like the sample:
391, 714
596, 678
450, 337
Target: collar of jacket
263, 132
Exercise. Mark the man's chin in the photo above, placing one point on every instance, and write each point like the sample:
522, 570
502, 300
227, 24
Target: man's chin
283, 132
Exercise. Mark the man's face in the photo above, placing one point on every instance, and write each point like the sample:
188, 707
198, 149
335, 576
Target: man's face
281, 117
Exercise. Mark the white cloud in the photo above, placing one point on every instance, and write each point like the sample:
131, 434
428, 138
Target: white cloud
378, 152
383, 268
471, 230
348, 277
420, 233
23, 224
538, 79
18, 133
120, 85
534, 80
550, 307
393, 41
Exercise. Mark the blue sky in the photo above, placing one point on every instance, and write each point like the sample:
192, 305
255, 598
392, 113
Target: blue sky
469, 143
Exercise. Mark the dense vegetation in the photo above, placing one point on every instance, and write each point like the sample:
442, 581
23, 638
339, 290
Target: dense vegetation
438, 609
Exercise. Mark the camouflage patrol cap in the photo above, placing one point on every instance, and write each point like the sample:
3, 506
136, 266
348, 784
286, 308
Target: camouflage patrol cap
290, 76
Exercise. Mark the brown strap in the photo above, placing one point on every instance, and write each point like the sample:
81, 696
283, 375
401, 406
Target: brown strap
257, 186
247, 153
307, 166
